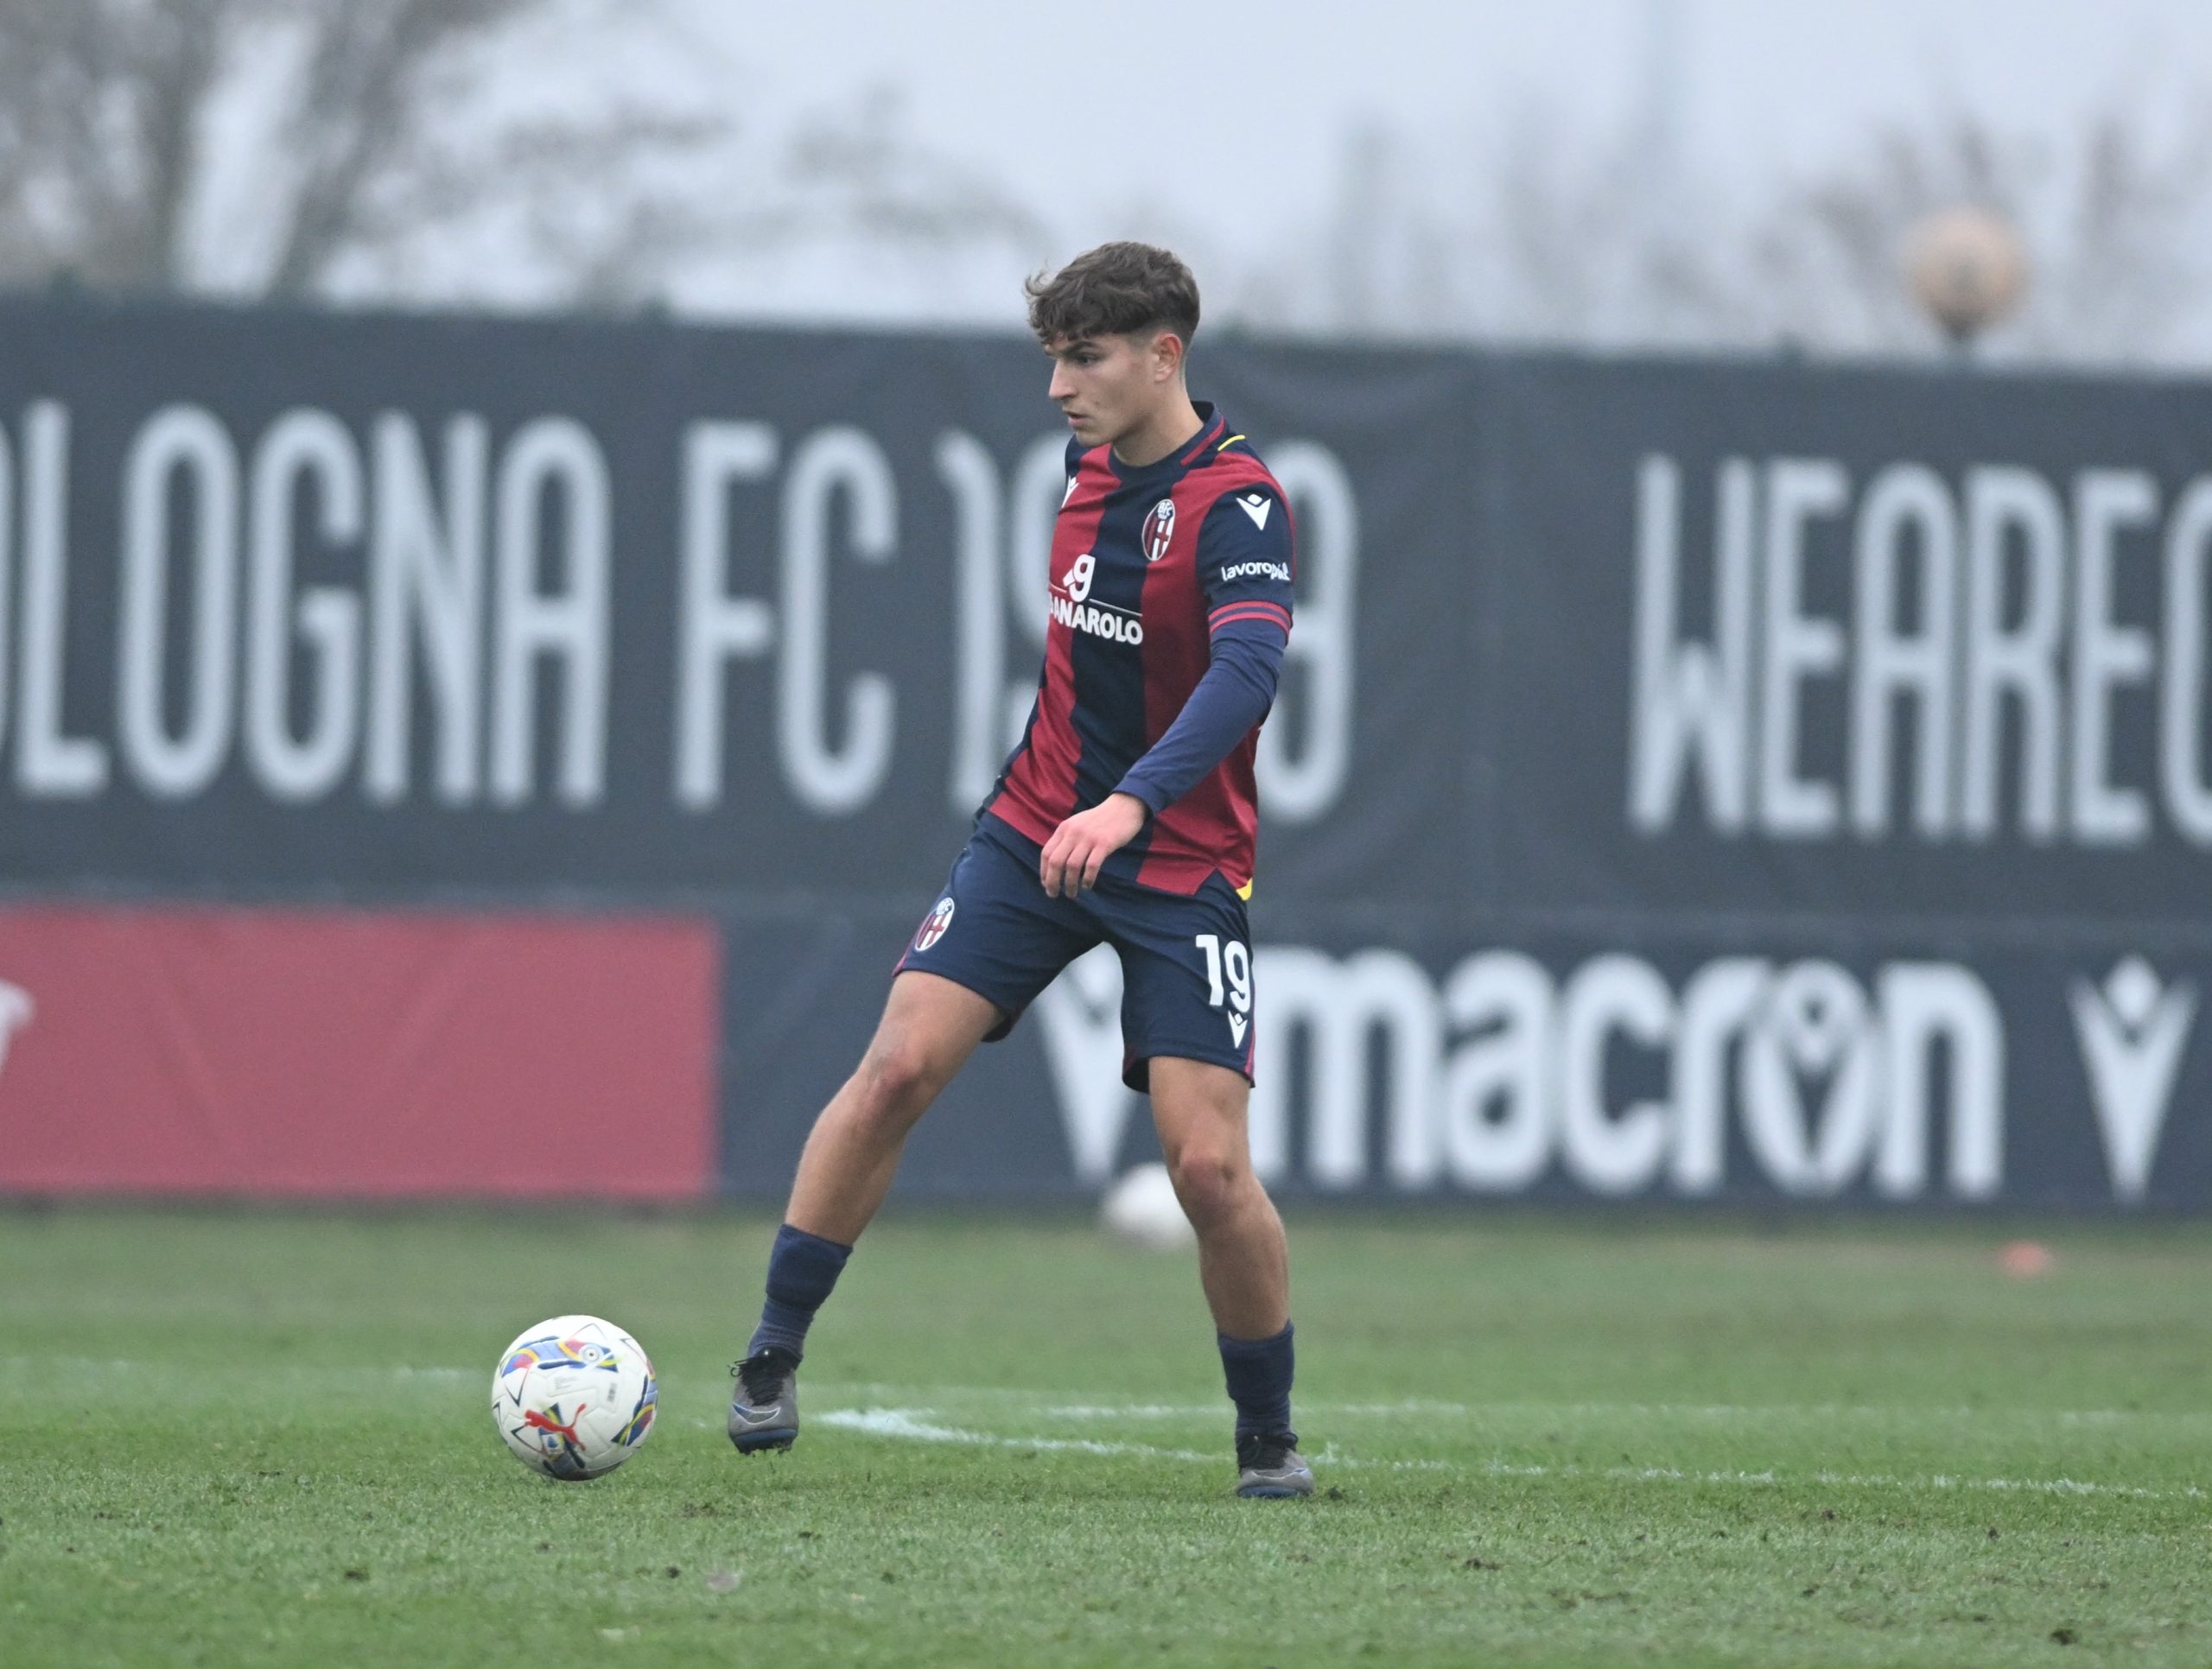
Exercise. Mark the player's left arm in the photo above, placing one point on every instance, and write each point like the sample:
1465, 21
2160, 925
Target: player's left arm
1245, 559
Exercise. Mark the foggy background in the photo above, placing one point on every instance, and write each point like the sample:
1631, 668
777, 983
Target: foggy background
1705, 174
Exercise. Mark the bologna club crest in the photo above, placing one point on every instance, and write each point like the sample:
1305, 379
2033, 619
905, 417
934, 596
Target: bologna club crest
933, 925
1159, 529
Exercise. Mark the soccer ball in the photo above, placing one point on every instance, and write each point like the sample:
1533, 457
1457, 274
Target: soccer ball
1141, 1207
573, 1397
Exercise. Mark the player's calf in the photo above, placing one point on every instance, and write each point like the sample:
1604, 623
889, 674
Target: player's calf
802, 1270
1259, 1373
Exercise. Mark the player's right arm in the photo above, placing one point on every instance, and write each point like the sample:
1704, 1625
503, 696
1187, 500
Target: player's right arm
1245, 567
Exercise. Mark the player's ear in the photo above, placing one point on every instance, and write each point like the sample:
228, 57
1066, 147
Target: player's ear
1166, 356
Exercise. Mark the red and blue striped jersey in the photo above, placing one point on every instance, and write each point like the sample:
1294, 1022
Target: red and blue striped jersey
1153, 566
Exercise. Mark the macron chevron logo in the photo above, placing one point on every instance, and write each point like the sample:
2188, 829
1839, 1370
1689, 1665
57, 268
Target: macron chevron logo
1256, 506
2132, 1032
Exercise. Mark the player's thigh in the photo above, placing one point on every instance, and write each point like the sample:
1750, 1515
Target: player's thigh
994, 933
1186, 979
1200, 1110
928, 1028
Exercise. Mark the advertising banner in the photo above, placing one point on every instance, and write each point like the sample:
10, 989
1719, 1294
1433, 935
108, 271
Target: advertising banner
1689, 782
1558, 1068
1881, 647
331, 1055
409, 605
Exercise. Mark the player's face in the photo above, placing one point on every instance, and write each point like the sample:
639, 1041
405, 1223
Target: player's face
1111, 386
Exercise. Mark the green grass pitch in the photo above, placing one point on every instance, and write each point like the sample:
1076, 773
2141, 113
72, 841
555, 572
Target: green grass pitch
263, 1439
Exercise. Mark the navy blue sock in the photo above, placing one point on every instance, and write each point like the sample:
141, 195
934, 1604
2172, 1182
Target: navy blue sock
802, 1268
1259, 1373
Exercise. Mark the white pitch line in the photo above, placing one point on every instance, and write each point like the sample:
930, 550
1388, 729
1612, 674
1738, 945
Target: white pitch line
909, 1423
1842, 1480
1068, 1405
920, 1425
1050, 1405
1411, 1408
46, 1366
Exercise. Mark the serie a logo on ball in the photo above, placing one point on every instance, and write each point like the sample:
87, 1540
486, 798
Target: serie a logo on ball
933, 925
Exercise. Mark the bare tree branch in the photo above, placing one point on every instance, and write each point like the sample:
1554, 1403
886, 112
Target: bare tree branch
2111, 224
99, 125
1556, 238
354, 110
376, 146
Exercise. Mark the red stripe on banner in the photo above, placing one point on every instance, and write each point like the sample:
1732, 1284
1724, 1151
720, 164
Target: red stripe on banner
342, 1055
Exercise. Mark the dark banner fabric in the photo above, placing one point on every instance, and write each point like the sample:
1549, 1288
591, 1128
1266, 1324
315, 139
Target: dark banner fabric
407, 604
1689, 781
1894, 648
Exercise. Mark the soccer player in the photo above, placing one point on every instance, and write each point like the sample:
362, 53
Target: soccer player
1125, 815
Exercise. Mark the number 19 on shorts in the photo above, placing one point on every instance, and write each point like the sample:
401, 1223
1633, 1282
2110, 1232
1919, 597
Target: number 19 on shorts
1236, 962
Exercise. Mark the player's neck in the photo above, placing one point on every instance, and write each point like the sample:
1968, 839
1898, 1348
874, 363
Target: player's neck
1167, 430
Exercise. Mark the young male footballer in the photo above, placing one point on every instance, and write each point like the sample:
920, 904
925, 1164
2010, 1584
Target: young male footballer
1125, 815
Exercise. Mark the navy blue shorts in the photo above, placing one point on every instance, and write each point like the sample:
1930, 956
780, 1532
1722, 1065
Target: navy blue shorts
1186, 962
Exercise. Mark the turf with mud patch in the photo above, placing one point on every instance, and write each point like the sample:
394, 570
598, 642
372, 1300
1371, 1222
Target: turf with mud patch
245, 1439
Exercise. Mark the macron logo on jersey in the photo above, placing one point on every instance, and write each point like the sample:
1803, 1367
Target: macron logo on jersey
1256, 506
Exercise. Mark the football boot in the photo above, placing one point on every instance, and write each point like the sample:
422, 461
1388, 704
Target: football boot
1269, 1467
764, 1414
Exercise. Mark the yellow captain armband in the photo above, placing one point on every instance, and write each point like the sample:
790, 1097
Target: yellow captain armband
1245, 892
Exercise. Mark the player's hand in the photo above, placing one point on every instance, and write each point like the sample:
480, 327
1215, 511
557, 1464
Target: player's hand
1080, 847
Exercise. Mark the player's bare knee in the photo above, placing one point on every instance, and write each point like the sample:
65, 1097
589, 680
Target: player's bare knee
898, 1077
1208, 1181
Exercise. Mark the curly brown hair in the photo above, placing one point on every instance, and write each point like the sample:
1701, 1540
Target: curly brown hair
1117, 289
